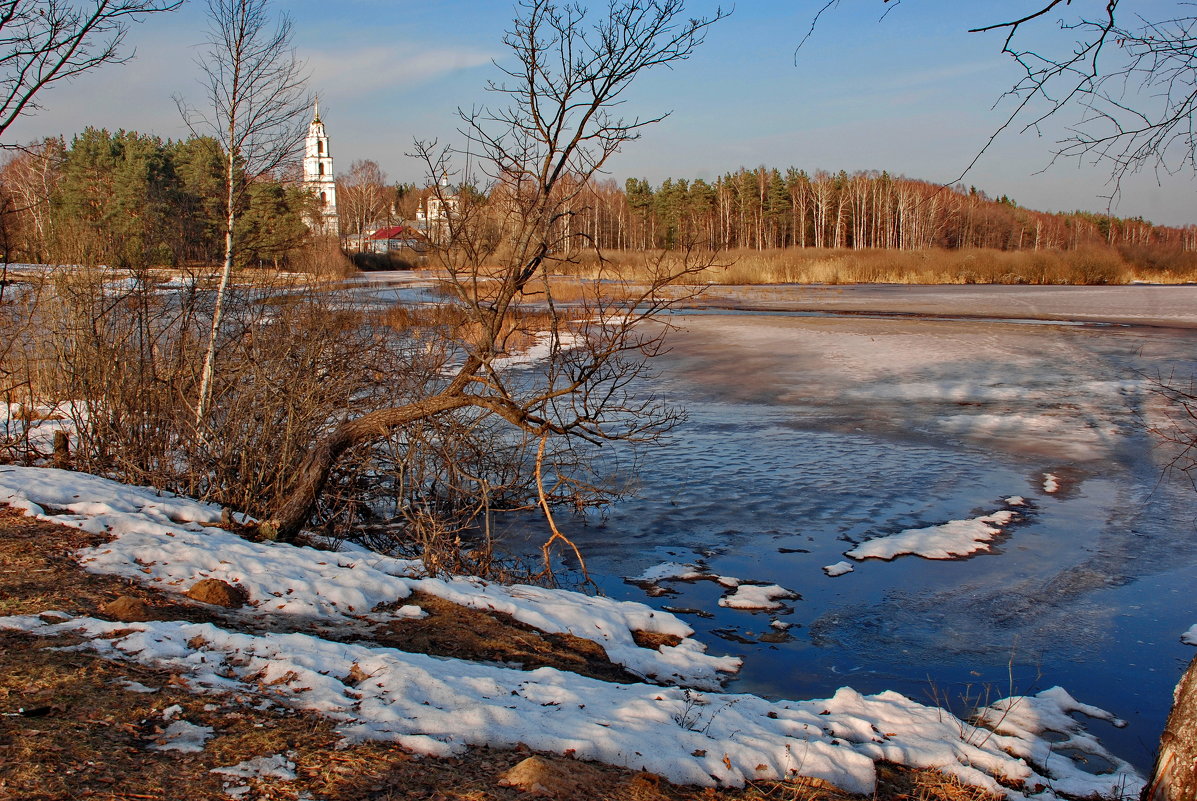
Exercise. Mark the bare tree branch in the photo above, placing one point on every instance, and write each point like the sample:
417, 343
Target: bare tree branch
500, 252
43, 42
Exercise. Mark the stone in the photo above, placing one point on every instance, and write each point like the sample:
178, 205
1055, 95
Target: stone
128, 609
538, 776
218, 593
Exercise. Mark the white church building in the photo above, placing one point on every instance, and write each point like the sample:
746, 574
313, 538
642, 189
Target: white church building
318, 176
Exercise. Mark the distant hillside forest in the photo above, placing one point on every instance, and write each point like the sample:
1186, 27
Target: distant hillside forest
766, 208
130, 199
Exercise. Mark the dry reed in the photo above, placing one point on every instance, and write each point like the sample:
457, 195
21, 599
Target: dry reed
1083, 266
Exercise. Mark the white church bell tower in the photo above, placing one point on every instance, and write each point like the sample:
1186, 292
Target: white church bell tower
318, 176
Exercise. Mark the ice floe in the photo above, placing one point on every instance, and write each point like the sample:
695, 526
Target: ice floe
956, 538
1190, 636
746, 595
757, 596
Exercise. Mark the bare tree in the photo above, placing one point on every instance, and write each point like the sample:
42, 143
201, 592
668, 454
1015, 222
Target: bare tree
558, 127
43, 42
1120, 80
256, 107
362, 197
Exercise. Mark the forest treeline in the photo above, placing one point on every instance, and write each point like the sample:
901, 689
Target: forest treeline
766, 208
132, 200
129, 200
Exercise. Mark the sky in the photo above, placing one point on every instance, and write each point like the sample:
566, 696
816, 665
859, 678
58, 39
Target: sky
910, 92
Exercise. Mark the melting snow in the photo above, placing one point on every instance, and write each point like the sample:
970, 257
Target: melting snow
278, 766
952, 539
440, 706
159, 541
182, 736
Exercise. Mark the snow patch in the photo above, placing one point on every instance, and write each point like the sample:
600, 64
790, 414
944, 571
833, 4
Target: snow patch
441, 706
949, 540
838, 569
277, 766
541, 350
184, 737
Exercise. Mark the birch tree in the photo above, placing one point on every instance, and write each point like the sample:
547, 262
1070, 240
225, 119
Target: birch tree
362, 197
256, 106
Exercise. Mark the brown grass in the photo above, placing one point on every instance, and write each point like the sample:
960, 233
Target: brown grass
1084, 266
519, 328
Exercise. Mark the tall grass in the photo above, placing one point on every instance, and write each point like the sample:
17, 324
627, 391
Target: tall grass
1082, 267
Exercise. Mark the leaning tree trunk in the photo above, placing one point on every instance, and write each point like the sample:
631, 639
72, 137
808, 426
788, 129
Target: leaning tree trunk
314, 472
1175, 774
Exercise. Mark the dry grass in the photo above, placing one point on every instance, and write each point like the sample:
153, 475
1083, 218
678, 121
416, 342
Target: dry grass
1085, 266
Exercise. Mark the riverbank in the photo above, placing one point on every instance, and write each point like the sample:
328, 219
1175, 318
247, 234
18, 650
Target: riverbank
281, 694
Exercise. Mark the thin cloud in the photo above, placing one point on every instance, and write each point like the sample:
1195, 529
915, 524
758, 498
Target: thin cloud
370, 69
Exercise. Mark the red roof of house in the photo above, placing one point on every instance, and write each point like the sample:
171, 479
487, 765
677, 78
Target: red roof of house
396, 232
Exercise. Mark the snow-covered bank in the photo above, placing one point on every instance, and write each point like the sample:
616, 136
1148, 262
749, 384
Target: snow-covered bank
161, 540
437, 706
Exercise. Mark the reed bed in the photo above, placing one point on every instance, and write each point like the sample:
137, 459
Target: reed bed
1082, 267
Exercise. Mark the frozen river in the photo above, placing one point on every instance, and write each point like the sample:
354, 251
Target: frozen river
820, 418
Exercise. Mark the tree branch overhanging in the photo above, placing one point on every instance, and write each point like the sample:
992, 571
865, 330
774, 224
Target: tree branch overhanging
559, 126
43, 42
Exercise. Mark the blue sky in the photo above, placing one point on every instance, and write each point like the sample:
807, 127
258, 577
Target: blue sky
912, 94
